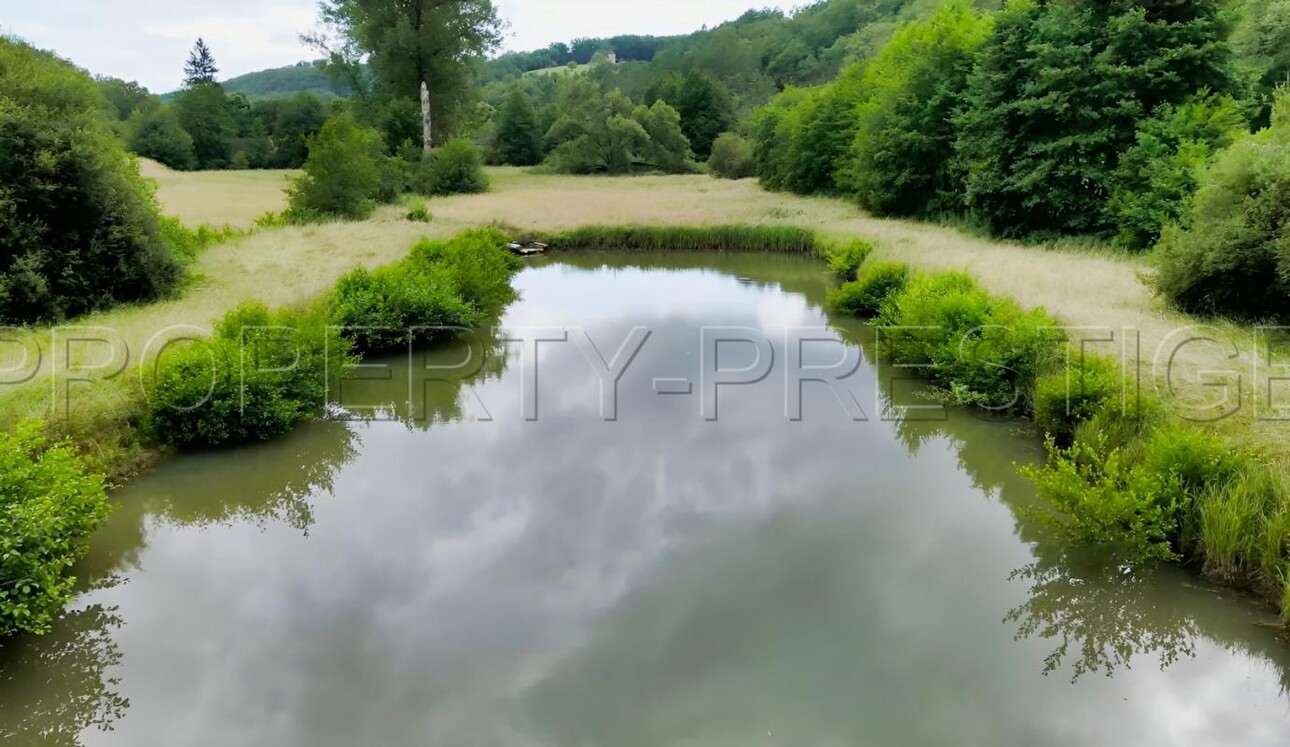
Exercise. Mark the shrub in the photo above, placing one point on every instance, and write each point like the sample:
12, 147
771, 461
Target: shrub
1104, 502
845, 261
79, 230
456, 167
518, 138
981, 350
732, 157
260, 374
49, 505
1073, 395
345, 175
1229, 256
873, 287
456, 283
419, 213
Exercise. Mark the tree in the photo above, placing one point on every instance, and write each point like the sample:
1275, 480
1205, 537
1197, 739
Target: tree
607, 134
344, 174
705, 107
899, 161
1056, 97
200, 67
1229, 256
418, 48
518, 140
205, 113
157, 134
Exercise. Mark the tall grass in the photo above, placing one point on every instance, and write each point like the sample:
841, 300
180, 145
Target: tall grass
722, 238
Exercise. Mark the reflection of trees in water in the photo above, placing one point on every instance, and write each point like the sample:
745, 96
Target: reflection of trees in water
54, 688
1099, 617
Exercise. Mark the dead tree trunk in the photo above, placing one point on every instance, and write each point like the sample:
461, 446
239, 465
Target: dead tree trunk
427, 131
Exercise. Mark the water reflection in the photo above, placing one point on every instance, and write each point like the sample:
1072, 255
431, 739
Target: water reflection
75, 694
659, 580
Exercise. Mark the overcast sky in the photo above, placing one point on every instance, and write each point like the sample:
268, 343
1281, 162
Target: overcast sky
148, 40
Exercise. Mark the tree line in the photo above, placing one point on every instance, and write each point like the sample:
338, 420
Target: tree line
1146, 124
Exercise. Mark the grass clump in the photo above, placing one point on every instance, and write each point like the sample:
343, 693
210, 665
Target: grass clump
49, 505
845, 261
874, 284
419, 213
726, 238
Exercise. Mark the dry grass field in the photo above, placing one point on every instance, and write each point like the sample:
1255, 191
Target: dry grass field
1086, 288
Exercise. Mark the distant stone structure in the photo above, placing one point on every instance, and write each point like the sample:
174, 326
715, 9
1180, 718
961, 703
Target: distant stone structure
613, 58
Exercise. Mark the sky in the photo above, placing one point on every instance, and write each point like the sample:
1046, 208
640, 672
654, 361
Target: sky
148, 40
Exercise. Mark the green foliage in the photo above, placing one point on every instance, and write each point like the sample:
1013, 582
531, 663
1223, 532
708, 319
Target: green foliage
1074, 394
207, 117
49, 506
1229, 257
845, 260
607, 134
306, 78
518, 137
345, 174
1156, 177
900, 160
261, 374
405, 45
1056, 97
875, 284
1262, 41
79, 229
456, 167
705, 107
157, 134
980, 350
732, 157
420, 213
462, 282
762, 238
1106, 503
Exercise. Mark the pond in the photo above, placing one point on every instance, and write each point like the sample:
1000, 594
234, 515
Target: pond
486, 558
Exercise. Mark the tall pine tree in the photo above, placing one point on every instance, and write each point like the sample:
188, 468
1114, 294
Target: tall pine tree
200, 68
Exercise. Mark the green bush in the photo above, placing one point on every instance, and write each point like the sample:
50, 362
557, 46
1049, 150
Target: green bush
260, 374
1073, 395
1230, 256
49, 506
1104, 502
875, 284
732, 157
79, 230
346, 174
419, 213
981, 350
456, 167
845, 261
458, 283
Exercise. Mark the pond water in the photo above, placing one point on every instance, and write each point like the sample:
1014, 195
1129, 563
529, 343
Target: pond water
501, 565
